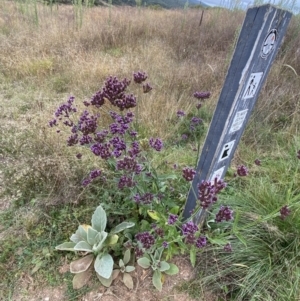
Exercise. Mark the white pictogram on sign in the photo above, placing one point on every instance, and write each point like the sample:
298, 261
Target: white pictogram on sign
252, 84
226, 150
269, 43
217, 174
238, 121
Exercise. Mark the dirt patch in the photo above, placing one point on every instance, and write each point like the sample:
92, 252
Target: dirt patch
143, 288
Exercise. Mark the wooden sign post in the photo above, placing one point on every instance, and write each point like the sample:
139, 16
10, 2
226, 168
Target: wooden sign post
261, 35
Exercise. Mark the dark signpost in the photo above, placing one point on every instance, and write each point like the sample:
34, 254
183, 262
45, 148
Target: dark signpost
261, 35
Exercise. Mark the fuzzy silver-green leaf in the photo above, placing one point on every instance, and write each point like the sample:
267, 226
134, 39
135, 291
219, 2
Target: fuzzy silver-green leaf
129, 269
156, 280
101, 237
91, 236
104, 265
126, 257
99, 219
121, 227
83, 246
144, 262
173, 270
104, 281
163, 266
66, 246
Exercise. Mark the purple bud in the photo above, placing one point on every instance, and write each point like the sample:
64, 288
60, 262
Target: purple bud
257, 162
139, 77
188, 173
202, 95
200, 242
180, 113
172, 219
224, 214
227, 248
284, 212
242, 171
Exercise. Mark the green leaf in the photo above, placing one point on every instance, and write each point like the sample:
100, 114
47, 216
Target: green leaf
104, 265
173, 270
66, 246
112, 240
99, 219
164, 266
193, 256
82, 264
83, 246
121, 227
174, 210
156, 280
91, 236
129, 269
121, 263
218, 241
104, 281
144, 262
153, 214
126, 257
127, 279
81, 279
158, 252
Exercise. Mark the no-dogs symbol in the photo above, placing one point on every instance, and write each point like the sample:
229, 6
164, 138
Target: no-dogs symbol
269, 43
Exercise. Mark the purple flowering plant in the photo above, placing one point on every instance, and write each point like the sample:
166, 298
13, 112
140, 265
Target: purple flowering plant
135, 188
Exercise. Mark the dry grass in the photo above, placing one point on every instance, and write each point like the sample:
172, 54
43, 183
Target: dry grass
48, 55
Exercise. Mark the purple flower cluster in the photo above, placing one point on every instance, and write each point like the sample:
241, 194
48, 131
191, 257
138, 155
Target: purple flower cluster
195, 121
87, 124
93, 175
188, 173
284, 212
172, 219
202, 95
207, 192
157, 144
130, 165
126, 181
224, 214
242, 171
114, 91
145, 198
180, 113
139, 77
147, 240
63, 111
200, 242
188, 230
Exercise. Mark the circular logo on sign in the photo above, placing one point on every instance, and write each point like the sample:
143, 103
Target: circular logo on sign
269, 43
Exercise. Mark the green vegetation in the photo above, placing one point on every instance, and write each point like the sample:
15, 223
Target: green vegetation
49, 52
